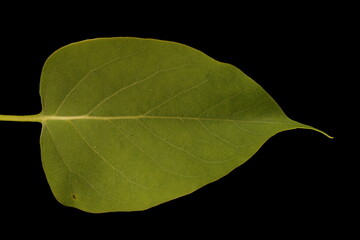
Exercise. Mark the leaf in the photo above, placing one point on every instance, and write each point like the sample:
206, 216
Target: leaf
131, 123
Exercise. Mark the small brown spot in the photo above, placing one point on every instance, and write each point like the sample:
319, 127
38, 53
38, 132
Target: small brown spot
73, 196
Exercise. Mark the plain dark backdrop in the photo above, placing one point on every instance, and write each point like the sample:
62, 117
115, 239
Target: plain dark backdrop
292, 183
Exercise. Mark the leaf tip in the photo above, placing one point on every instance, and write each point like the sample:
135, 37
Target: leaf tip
324, 133
317, 130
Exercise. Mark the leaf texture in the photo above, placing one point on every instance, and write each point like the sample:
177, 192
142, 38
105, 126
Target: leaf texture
131, 123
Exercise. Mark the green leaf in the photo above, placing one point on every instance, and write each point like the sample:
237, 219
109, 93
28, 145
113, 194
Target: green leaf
131, 123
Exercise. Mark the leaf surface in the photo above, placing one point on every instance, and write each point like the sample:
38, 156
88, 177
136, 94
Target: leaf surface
131, 123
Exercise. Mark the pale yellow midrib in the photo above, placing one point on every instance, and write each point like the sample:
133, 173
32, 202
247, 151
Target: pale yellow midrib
44, 118
85, 117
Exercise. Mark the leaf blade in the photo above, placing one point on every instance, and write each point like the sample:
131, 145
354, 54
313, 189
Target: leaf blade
162, 120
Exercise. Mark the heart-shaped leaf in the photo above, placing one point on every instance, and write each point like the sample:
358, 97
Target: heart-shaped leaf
131, 123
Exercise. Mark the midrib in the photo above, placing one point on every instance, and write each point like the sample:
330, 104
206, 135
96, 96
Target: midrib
44, 118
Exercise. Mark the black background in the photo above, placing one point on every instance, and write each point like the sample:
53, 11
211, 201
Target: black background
293, 183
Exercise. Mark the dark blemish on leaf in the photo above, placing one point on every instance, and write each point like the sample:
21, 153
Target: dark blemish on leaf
73, 196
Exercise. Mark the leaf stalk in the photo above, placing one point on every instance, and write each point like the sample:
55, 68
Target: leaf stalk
26, 118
